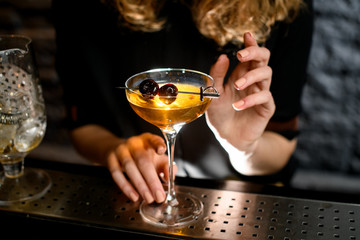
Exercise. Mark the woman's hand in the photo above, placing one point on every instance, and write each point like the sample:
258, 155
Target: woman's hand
134, 163
246, 105
143, 159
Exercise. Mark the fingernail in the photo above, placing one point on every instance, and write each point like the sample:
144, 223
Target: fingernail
160, 196
250, 34
243, 53
161, 150
222, 56
238, 106
133, 197
162, 177
148, 197
240, 83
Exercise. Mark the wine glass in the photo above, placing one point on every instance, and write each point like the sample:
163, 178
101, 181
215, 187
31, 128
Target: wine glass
169, 99
22, 121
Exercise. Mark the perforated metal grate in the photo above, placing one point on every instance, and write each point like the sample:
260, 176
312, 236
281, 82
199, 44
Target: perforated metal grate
227, 214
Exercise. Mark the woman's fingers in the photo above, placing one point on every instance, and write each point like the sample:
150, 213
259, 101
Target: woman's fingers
260, 75
263, 98
148, 171
256, 85
163, 170
249, 40
257, 80
120, 179
260, 55
156, 142
139, 160
252, 52
218, 71
129, 166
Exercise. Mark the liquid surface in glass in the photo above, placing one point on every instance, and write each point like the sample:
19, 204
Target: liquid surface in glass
186, 107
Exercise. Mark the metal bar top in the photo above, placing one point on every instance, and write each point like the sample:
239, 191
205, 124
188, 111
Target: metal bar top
84, 198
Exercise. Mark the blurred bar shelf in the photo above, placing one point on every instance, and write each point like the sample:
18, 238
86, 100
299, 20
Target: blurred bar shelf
84, 199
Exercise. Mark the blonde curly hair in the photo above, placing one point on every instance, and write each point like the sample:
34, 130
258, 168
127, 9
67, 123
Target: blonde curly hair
223, 21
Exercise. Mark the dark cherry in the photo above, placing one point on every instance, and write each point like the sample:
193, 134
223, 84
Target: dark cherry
168, 93
149, 88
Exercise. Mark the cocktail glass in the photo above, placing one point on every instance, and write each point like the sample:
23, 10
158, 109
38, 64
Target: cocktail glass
170, 114
22, 121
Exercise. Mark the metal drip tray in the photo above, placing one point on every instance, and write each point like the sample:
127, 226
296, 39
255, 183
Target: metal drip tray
97, 202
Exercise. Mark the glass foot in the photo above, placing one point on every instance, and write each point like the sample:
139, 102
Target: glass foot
164, 215
31, 185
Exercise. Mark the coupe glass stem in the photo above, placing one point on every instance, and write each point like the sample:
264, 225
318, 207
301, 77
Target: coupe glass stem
170, 142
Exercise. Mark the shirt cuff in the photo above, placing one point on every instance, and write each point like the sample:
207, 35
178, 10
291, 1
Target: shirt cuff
240, 160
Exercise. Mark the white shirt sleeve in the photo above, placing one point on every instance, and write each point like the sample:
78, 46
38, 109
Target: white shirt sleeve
240, 160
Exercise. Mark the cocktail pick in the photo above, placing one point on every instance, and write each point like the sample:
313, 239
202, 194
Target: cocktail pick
209, 92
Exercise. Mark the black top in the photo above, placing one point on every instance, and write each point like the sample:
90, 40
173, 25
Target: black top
95, 54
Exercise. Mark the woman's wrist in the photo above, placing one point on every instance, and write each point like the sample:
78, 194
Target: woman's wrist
95, 143
240, 160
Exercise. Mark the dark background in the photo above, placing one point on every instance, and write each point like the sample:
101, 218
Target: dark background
329, 144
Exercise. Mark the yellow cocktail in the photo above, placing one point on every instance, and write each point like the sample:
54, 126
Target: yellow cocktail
184, 109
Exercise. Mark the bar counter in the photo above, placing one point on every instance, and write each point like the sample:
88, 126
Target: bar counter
84, 200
